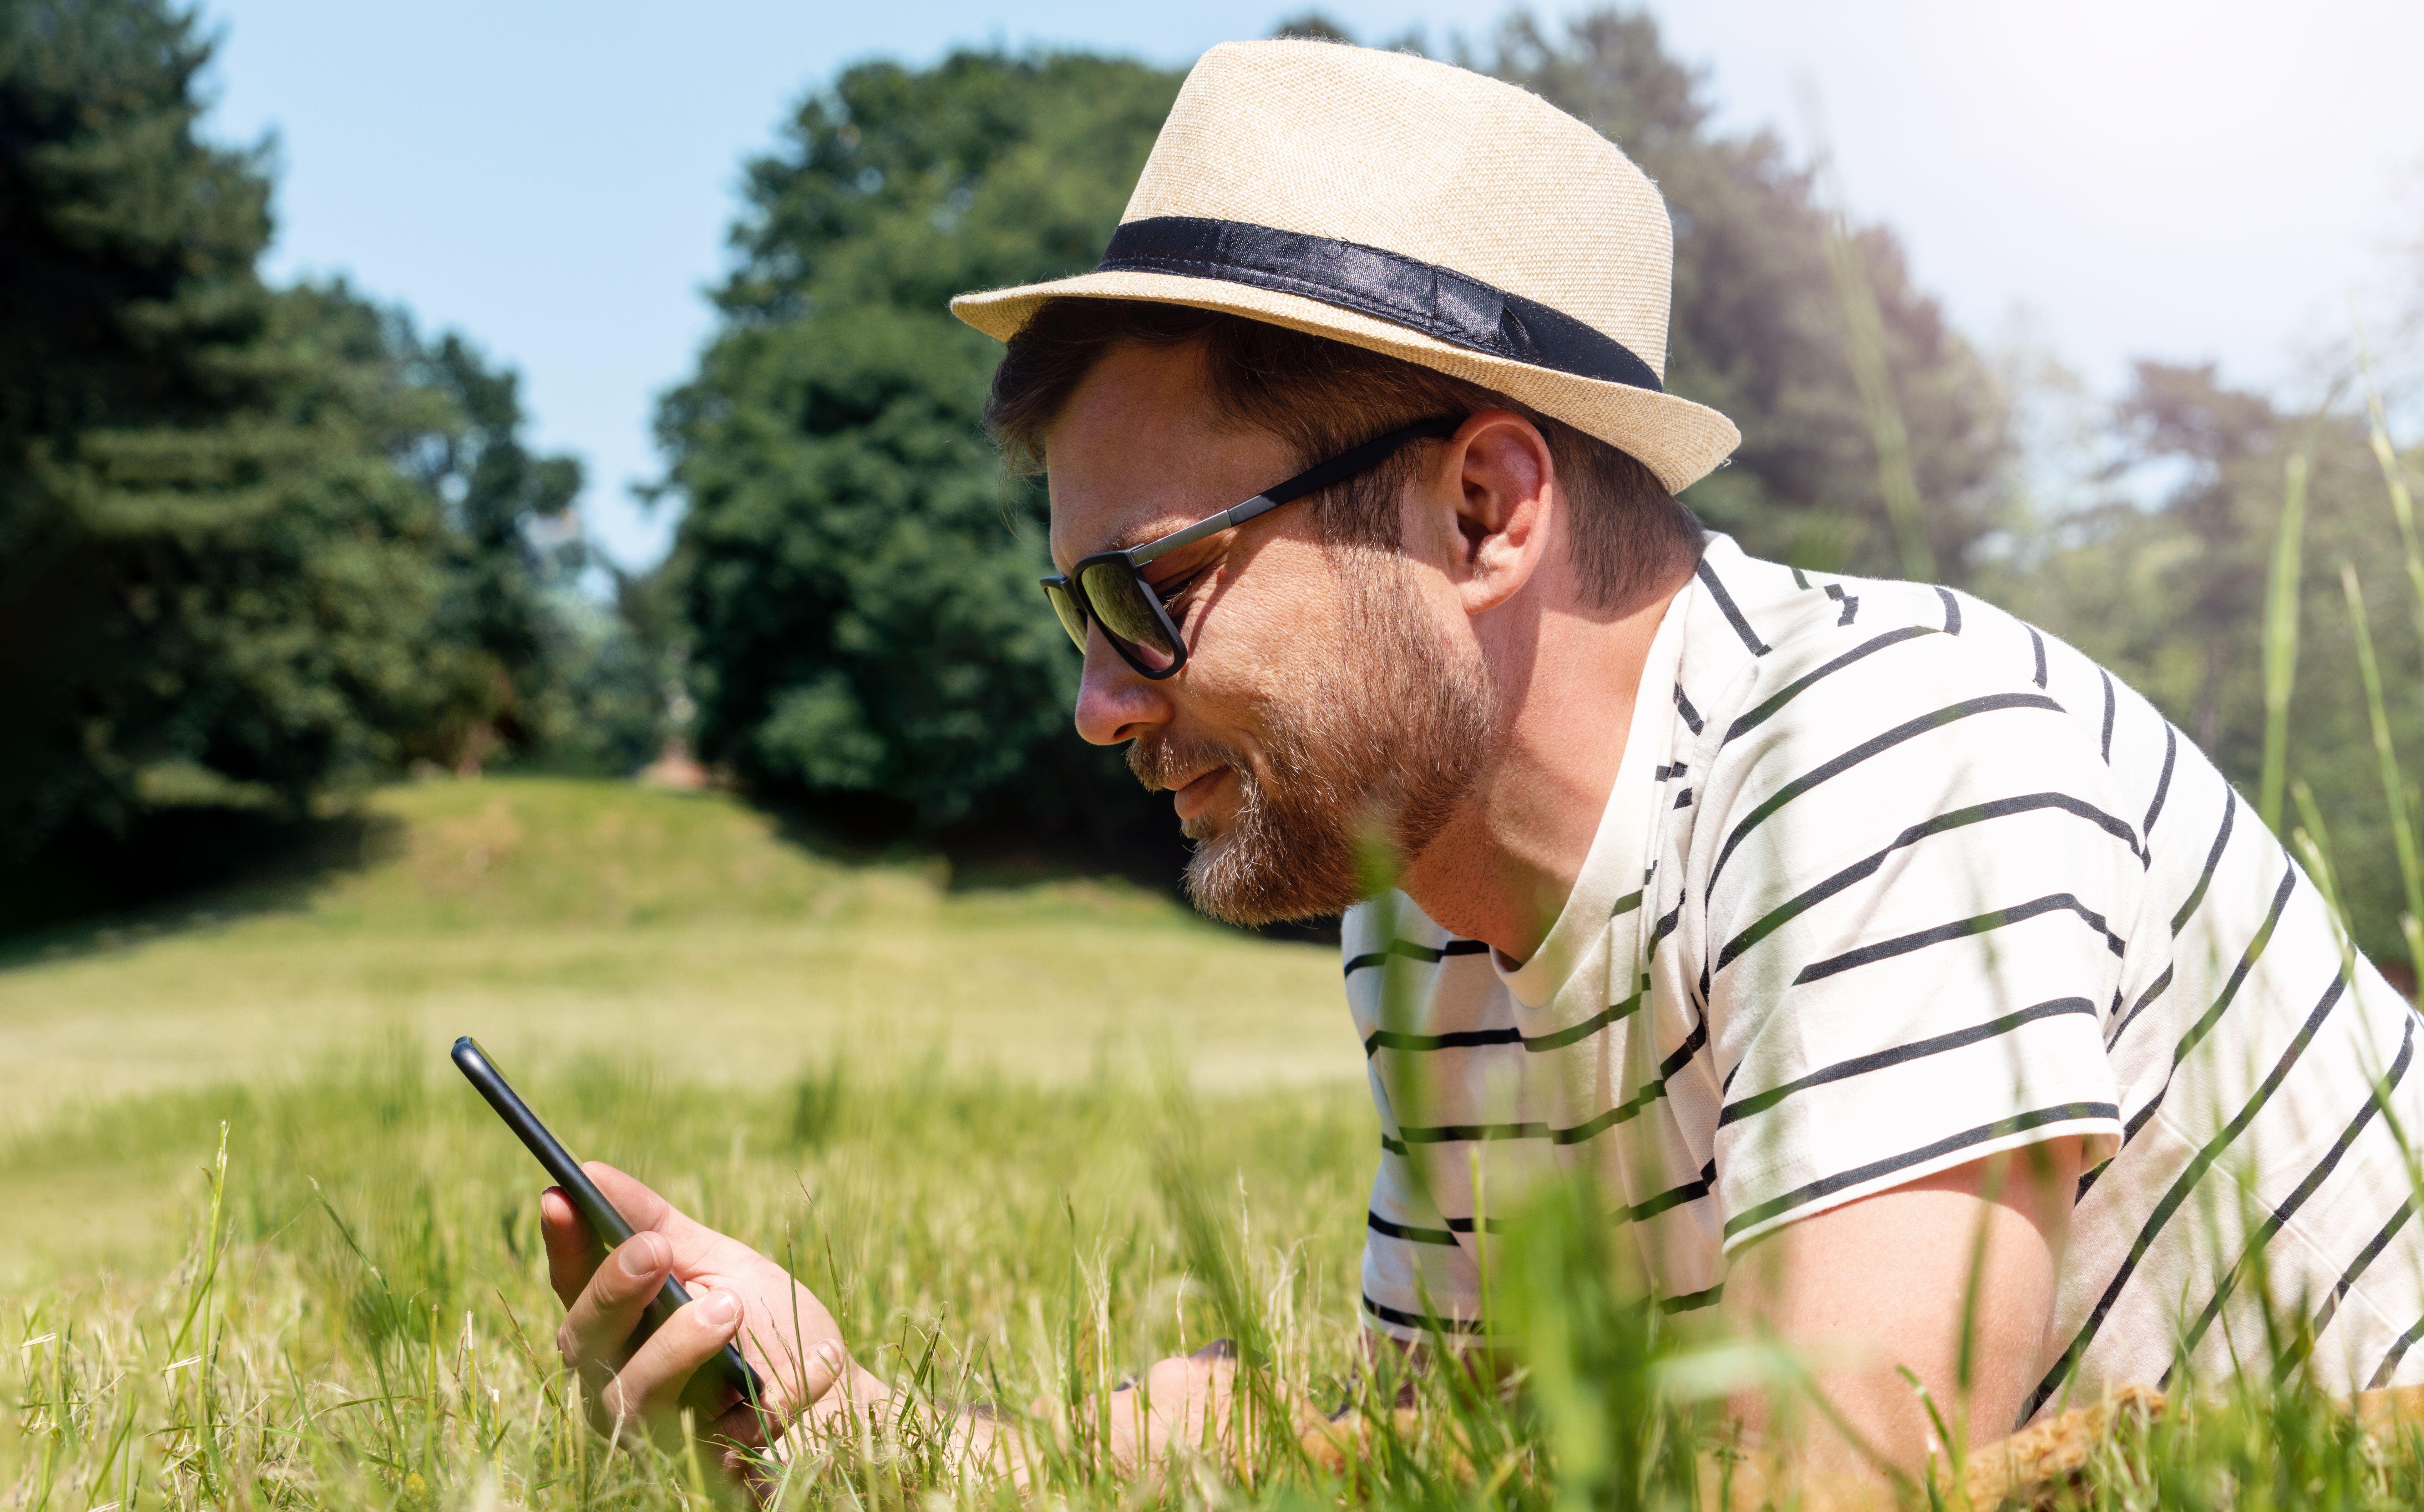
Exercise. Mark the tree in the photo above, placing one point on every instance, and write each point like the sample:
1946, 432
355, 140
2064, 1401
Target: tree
1758, 329
858, 574
250, 539
857, 571
2171, 600
205, 563
502, 675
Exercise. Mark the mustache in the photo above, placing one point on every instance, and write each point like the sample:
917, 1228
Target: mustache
1164, 764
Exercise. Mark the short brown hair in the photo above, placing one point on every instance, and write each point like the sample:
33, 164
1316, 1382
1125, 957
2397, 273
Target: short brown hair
1321, 397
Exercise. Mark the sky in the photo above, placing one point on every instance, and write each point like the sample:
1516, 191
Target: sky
2192, 180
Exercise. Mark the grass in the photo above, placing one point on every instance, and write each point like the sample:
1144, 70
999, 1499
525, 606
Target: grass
559, 918
312, 1278
355, 1312
263, 1244
264, 1250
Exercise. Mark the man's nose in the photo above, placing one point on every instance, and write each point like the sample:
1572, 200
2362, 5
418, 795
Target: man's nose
1114, 703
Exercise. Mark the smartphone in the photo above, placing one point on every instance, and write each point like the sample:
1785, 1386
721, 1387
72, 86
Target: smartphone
726, 1368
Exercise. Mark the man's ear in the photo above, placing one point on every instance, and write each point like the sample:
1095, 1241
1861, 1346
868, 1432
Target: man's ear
1491, 526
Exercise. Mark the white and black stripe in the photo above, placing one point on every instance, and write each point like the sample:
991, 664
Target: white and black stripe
1938, 886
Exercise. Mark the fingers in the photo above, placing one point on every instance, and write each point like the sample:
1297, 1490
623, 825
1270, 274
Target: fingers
781, 1329
642, 1209
649, 1388
572, 1245
820, 1372
598, 1324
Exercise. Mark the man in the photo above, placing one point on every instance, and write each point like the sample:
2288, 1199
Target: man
1896, 971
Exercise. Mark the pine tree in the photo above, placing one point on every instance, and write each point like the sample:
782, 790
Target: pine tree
207, 565
252, 541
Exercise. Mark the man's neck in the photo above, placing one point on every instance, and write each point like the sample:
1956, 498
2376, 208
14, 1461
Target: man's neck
1502, 867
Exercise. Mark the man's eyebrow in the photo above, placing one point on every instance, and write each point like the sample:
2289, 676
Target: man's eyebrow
1136, 535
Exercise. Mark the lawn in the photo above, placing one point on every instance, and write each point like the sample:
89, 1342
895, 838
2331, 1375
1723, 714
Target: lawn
563, 920
948, 1105
264, 1249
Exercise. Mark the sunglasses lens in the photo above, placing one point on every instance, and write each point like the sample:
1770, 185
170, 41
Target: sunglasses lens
1127, 614
1073, 616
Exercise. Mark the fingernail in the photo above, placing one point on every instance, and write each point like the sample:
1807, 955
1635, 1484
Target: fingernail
720, 1309
640, 1256
827, 1358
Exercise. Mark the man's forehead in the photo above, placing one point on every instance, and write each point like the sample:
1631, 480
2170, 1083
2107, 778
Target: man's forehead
1112, 508
1138, 453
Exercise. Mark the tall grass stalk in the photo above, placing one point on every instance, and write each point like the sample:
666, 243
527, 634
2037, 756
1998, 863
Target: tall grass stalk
1873, 379
2281, 603
2311, 838
2402, 504
1864, 348
2394, 785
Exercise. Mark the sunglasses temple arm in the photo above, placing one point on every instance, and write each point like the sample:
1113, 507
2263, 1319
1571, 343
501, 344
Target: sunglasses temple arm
1203, 528
1371, 454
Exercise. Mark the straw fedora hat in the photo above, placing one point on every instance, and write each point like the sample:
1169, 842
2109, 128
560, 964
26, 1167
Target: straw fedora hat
1414, 208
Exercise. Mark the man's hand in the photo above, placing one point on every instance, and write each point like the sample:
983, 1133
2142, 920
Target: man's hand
737, 1296
1889, 1281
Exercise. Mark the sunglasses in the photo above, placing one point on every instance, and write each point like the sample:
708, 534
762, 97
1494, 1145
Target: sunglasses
1109, 588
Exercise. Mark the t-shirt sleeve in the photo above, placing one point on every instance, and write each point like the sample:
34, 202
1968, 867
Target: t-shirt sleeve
1917, 880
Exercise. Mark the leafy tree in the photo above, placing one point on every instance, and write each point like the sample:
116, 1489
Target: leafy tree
2171, 600
1758, 329
252, 541
615, 676
856, 571
502, 640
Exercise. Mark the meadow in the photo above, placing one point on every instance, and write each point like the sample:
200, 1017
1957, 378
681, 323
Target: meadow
262, 1248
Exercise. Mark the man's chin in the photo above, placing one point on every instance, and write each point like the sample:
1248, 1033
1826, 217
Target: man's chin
1252, 890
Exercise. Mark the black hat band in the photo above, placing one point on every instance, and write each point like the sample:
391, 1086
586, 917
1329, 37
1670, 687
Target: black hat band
1439, 302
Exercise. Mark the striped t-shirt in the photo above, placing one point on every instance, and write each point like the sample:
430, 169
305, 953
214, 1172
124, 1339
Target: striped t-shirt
1889, 881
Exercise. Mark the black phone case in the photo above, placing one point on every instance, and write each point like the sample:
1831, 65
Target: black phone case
726, 1368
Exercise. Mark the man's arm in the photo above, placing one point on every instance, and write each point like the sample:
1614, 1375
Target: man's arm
1897, 1280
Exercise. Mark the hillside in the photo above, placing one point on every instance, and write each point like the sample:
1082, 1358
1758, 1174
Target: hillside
680, 933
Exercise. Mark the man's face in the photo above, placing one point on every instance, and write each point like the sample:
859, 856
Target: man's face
1330, 693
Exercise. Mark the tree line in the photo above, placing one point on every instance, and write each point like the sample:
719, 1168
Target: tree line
258, 544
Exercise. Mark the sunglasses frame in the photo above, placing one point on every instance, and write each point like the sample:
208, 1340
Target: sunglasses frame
1313, 480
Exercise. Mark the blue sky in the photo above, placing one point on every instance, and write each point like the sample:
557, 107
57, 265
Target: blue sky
2189, 179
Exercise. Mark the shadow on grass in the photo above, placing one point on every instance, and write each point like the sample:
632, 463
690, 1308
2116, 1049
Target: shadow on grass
187, 868
1141, 846
198, 866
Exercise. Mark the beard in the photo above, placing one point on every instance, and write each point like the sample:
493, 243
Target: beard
1376, 746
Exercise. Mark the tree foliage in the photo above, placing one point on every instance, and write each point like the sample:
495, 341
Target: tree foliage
252, 541
2171, 600
1758, 330
858, 573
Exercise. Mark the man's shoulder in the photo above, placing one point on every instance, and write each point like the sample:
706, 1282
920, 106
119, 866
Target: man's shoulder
1785, 645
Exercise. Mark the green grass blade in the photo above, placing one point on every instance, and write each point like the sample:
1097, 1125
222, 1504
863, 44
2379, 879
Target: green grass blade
2311, 838
2402, 504
1864, 348
2281, 641
1873, 379
2394, 787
